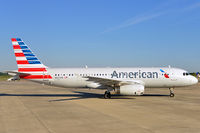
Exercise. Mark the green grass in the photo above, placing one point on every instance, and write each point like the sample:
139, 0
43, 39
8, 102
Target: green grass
4, 77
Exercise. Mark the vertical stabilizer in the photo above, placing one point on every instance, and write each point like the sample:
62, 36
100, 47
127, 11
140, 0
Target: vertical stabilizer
27, 62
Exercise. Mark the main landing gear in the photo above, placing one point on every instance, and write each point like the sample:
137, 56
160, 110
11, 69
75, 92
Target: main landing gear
171, 92
107, 95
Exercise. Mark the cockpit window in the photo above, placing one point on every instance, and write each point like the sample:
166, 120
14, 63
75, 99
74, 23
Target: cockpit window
185, 74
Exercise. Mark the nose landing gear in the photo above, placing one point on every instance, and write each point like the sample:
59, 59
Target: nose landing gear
171, 92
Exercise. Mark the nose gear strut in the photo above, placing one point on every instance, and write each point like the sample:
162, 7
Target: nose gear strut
171, 92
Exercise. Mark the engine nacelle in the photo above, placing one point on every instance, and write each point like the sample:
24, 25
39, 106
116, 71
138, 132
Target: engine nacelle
131, 90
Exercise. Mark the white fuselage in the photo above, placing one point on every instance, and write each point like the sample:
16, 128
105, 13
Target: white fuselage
149, 77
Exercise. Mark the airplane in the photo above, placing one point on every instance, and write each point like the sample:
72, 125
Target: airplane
123, 81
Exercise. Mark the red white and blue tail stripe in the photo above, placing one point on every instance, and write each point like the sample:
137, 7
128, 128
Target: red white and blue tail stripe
27, 62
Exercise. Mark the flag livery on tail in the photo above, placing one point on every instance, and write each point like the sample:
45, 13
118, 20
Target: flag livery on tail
27, 62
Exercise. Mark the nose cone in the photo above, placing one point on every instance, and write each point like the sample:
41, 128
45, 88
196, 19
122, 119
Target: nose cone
194, 80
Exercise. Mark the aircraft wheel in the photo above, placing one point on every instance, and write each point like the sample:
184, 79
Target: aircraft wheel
107, 95
171, 94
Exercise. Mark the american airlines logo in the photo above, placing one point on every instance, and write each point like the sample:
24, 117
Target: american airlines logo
136, 75
165, 74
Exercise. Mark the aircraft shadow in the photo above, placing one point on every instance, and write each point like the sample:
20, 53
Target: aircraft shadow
76, 96
154, 95
79, 95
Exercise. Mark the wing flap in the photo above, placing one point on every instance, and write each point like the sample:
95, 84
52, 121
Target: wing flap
112, 82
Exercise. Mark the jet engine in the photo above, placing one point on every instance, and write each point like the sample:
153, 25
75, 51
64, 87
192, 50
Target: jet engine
131, 90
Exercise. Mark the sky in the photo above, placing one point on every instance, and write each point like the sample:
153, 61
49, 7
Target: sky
103, 33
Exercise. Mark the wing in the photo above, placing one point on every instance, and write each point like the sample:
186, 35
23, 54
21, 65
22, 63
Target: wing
112, 82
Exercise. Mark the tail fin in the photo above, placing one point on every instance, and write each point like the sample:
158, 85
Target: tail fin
27, 62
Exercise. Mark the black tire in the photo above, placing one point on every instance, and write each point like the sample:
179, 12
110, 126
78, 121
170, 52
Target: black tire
171, 94
107, 95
